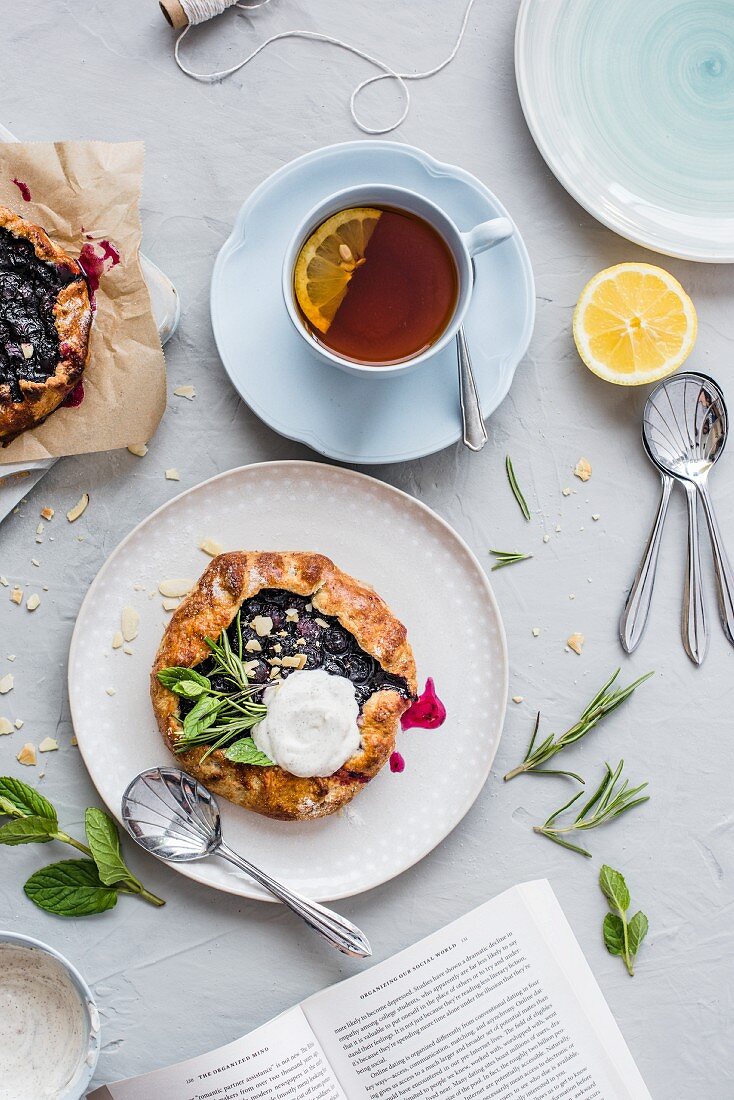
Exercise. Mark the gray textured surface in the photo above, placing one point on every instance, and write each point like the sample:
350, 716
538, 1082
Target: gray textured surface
209, 967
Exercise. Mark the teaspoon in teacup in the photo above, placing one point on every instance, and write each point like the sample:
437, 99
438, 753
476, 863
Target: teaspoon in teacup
176, 819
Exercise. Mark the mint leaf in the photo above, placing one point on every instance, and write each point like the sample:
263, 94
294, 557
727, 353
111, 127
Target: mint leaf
613, 929
202, 715
25, 800
636, 932
104, 841
181, 680
71, 888
245, 751
28, 830
614, 888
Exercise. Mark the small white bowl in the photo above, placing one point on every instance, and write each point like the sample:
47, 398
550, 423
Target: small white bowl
77, 1087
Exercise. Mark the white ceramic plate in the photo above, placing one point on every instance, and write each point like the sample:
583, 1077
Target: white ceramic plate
419, 565
351, 419
631, 102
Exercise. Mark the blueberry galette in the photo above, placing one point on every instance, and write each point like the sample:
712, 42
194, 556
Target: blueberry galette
280, 683
45, 317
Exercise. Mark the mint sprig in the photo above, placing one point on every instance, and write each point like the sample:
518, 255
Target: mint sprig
621, 937
76, 887
219, 719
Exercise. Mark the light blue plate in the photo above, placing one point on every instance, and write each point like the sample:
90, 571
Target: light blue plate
343, 417
631, 102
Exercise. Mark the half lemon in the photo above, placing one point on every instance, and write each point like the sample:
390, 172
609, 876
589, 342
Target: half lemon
633, 324
328, 260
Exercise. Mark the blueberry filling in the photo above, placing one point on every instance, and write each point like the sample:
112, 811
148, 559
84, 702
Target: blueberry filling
29, 342
301, 636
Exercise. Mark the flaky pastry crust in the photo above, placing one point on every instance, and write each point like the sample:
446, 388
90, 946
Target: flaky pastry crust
210, 607
72, 318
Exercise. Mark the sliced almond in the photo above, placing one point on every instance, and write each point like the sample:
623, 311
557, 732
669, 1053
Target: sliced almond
19, 723
291, 614
566, 492
27, 350
170, 605
79, 508
262, 625
211, 547
175, 588
274, 673
582, 469
117, 639
253, 646
73, 741
4, 582
251, 667
130, 621
6, 683
536, 631
27, 754
6, 726
47, 513
111, 691
517, 698
323, 623
139, 449
16, 595
128, 649
33, 601
185, 391
297, 661
172, 474
48, 745
576, 643
39, 531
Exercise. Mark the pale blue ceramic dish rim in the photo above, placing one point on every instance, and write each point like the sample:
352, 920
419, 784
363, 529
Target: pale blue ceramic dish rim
618, 224
436, 168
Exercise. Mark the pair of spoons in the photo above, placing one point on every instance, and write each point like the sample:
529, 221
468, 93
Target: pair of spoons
172, 816
684, 430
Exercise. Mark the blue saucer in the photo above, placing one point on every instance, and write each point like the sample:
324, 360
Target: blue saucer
347, 418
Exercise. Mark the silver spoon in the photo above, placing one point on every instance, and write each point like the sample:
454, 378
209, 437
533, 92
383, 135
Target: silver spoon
633, 620
474, 433
685, 426
176, 819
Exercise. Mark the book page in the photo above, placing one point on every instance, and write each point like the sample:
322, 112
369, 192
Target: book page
281, 1060
482, 1010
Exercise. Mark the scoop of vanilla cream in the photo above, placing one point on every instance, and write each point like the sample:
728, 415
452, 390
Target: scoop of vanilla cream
311, 725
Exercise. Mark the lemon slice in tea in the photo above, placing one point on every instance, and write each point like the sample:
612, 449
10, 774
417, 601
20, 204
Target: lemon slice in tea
328, 260
634, 323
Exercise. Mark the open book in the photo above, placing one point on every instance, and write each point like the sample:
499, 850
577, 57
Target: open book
500, 1004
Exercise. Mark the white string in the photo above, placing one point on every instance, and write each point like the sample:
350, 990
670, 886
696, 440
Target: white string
200, 11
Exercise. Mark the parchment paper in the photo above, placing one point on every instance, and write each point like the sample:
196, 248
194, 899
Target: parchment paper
83, 190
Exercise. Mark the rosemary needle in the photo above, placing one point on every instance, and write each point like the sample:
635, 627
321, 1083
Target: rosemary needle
507, 557
517, 492
603, 703
612, 797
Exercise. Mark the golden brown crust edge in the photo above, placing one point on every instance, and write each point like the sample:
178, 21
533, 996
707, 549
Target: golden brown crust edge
228, 581
73, 318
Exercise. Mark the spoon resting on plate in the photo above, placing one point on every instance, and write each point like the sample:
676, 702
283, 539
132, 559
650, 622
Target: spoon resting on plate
176, 819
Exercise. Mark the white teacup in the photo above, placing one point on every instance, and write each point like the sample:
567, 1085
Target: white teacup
462, 245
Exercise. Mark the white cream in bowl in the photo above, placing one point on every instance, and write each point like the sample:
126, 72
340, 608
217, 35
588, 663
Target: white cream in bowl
47, 1026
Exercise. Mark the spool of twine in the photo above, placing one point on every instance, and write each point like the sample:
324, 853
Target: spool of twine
185, 14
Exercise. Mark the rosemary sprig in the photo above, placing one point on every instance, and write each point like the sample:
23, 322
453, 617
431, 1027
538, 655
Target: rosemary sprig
507, 557
610, 799
218, 718
603, 703
516, 488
